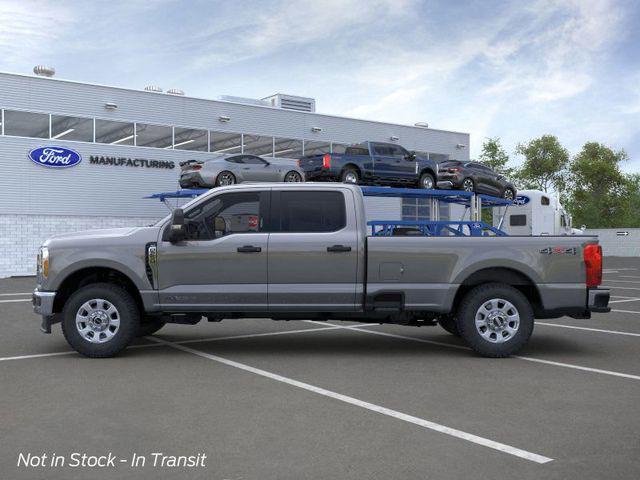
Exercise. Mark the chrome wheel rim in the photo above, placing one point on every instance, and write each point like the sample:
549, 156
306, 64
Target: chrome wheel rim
97, 320
427, 183
497, 320
508, 194
293, 177
350, 177
467, 185
226, 179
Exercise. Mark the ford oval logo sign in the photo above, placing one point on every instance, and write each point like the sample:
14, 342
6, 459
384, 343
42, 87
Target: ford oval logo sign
55, 157
521, 200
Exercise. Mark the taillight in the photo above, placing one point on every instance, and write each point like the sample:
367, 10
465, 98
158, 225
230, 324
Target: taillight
298, 162
593, 261
326, 161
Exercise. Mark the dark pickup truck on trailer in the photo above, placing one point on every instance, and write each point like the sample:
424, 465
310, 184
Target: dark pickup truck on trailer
372, 163
302, 251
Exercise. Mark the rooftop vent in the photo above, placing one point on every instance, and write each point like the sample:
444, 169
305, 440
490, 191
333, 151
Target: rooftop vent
291, 102
43, 71
175, 91
153, 88
422, 124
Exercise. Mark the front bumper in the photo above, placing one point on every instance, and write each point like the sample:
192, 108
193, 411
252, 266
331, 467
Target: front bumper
43, 305
598, 300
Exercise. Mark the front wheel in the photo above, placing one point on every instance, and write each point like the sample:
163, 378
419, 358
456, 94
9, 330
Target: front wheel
100, 320
508, 194
427, 182
293, 177
495, 319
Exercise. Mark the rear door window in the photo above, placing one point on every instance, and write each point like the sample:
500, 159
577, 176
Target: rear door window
312, 212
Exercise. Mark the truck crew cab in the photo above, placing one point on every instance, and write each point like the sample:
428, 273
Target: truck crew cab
302, 251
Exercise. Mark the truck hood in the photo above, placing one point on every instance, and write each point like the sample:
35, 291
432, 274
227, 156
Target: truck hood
107, 236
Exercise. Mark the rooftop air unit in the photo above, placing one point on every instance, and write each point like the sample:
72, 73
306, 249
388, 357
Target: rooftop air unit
244, 100
291, 102
153, 88
175, 91
43, 71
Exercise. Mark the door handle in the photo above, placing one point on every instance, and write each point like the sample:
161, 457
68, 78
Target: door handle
339, 248
249, 249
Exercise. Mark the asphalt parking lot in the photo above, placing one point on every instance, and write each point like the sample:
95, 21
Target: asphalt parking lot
280, 400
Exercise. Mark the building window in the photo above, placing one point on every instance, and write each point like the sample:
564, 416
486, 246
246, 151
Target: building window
190, 139
26, 124
316, 148
226, 142
257, 145
115, 133
71, 128
287, 148
157, 136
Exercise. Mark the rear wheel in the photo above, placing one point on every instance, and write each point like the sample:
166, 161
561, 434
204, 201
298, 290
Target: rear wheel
292, 177
225, 178
427, 181
100, 320
468, 185
350, 175
496, 320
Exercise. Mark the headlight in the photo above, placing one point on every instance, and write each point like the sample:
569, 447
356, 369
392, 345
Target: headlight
43, 262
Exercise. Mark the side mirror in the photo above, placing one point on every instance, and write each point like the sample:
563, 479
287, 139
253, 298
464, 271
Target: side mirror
410, 156
177, 232
219, 227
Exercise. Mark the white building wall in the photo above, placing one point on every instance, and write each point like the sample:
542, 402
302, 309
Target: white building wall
22, 235
618, 242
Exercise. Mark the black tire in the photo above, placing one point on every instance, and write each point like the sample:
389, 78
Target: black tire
468, 185
149, 326
509, 194
478, 298
449, 323
349, 173
426, 179
293, 177
127, 312
220, 179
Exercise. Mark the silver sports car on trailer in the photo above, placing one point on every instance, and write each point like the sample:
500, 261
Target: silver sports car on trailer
238, 168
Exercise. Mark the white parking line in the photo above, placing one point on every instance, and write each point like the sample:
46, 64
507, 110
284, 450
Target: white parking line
635, 282
528, 359
629, 276
16, 300
624, 311
14, 294
621, 288
533, 457
614, 332
625, 300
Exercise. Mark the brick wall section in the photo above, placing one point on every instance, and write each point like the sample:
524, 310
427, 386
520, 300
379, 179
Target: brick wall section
22, 235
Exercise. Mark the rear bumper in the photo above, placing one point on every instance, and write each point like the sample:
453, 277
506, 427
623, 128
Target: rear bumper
598, 300
191, 179
43, 305
319, 174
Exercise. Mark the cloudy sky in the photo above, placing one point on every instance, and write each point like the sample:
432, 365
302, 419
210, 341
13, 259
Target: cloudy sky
492, 68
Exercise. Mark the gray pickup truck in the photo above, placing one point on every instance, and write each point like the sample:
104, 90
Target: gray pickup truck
303, 251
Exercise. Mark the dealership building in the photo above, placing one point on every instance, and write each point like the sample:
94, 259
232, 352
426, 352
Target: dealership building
128, 144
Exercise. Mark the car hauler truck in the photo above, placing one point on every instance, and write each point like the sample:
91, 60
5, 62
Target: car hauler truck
534, 212
306, 251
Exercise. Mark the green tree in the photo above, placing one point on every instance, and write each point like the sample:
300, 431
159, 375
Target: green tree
494, 156
600, 194
545, 164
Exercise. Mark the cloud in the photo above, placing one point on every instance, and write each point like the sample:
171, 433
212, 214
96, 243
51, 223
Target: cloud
30, 30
